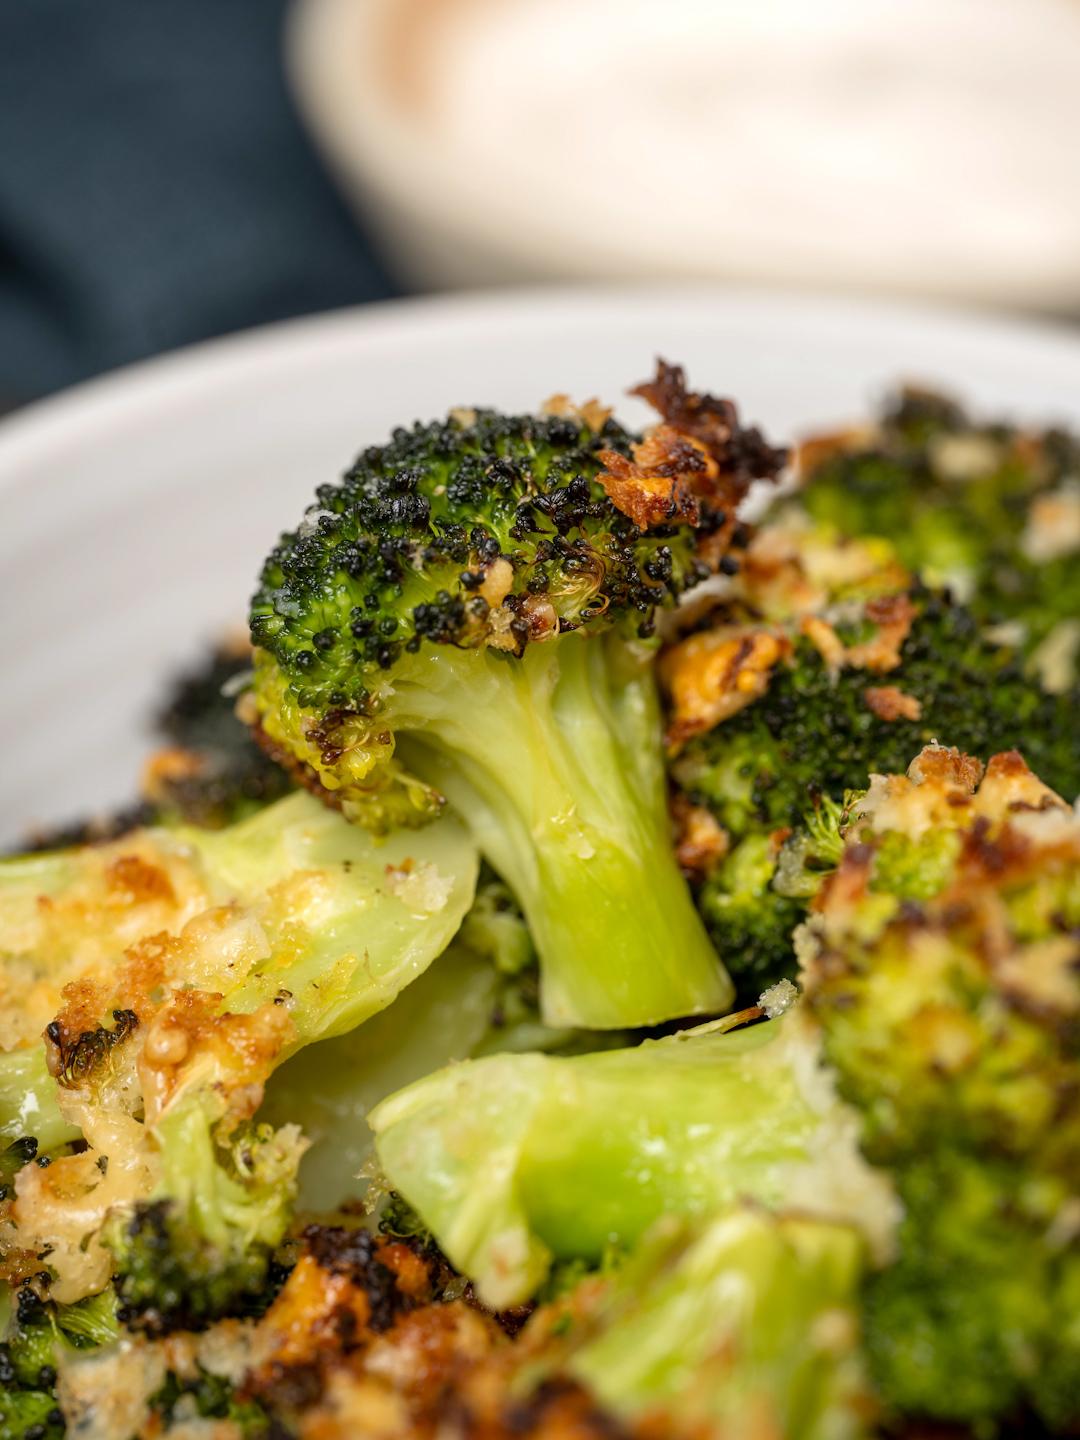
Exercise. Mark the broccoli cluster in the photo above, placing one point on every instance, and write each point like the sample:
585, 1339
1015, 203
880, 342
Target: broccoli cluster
921, 1097
467, 617
416, 1105
862, 668
990, 511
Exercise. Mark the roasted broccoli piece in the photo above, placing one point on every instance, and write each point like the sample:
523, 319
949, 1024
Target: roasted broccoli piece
171, 971
480, 998
209, 1246
989, 510
748, 1318
468, 616
212, 773
497, 1155
923, 1090
37, 1337
795, 692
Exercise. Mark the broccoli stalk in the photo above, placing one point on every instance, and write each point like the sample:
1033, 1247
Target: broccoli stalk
932, 1063
747, 1319
463, 618
562, 799
513, 1160
28, 1105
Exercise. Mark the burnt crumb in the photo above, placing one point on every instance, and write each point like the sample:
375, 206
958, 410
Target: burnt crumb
352, 1253
74, 1061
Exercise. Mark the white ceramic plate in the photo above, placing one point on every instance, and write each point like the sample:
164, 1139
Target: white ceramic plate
136, 509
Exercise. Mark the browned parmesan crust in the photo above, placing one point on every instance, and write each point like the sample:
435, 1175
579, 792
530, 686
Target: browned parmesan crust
696, 465
714, 674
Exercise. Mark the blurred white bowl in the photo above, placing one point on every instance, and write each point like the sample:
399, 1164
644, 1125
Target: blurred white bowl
136, 509
925, 147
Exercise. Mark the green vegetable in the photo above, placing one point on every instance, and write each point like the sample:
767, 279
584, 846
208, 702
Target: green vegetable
937, 1037
466, 617
290, 926
787, 763
987, 509
747, 1320
514, 1160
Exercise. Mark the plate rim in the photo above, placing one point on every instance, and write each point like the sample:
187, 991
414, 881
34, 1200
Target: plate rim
179, 374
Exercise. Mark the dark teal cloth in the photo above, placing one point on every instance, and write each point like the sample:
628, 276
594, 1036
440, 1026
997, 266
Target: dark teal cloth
155, 186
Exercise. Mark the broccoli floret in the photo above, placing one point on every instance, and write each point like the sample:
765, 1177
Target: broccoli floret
776, 773
206, 1247
29, 1414
206, 1396
987, 509
467, 617
923, 1090
171, 972
213, 774
38, 1336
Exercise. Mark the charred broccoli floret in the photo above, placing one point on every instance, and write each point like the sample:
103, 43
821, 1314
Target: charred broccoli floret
213, 772
468, 616
209, 1246
795, 692
989, 510
923, 1090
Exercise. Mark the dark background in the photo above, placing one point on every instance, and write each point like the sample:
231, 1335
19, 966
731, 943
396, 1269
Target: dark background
155, 187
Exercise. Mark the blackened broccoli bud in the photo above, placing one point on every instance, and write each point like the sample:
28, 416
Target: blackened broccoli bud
213, 773
73, 1059
462, 619
170, 1278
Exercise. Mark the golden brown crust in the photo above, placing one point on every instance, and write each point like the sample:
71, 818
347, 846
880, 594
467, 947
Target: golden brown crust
892, 616
714, 674
663, 483
889, 702
701, 842
694, 467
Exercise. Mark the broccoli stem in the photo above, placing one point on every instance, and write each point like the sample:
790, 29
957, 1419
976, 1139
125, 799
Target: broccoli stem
553, 760
778, 1293
28, 1101
514, 1160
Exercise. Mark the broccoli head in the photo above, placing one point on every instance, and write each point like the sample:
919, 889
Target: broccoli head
922, 1091
989, 510
815, 673
164, 976
943, 963
468, 617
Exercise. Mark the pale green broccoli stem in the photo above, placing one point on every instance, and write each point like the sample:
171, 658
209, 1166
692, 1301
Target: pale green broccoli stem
748, 1323
553, 761
514, 1160
28, 1101
231, 1212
